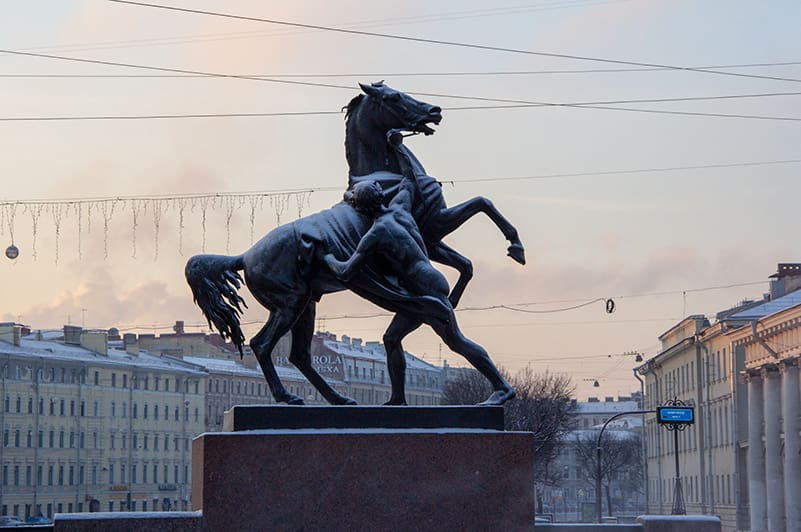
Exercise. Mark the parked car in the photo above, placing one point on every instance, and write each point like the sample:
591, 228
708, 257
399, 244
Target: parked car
37, 520
10, 521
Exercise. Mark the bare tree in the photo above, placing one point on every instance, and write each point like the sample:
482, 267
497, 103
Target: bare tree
468, 387
621, 461
543, 406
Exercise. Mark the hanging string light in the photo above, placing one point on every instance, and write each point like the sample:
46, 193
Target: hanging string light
10, 211
61, 211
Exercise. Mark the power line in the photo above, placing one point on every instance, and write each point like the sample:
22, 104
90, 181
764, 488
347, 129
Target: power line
624, 172
384, 75
523, 103
449, 43
455, 182
454, 15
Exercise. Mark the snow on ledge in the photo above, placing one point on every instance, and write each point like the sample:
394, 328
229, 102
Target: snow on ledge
693, 518
126, 515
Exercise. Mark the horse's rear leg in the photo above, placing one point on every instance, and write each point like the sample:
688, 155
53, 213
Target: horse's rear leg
478, 358
302, 333
444, 254
451, 218
263, 344
400, 327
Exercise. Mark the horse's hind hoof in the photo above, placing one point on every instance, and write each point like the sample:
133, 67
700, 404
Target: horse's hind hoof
517, 253
342, 400
499, 397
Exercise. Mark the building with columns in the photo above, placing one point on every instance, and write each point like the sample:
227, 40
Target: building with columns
740, 460
768, 340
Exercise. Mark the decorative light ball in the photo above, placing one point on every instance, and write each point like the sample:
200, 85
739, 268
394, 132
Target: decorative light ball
12, 252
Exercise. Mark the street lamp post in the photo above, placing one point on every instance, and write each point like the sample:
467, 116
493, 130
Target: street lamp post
598, 457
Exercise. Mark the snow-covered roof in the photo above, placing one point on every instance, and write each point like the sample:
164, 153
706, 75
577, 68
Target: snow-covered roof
51, 350
375, 351
604, 407
613, 433
232, 367
769, 307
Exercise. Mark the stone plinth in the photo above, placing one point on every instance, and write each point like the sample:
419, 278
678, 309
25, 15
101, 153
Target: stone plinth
254, 417
364, 479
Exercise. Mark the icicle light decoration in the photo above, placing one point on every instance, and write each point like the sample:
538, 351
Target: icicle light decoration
221, 208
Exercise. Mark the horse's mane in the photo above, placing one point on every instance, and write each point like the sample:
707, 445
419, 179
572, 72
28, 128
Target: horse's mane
352, 106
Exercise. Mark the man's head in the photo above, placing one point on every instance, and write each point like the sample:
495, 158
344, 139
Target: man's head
366, 197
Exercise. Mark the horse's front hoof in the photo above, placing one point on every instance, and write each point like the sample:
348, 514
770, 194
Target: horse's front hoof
499, 397
396, 402
517, 253
291, 400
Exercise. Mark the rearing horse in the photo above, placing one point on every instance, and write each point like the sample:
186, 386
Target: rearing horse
369, 156
286, 273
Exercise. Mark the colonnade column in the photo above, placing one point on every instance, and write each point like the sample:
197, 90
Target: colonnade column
773, 447
791, 398
757, 495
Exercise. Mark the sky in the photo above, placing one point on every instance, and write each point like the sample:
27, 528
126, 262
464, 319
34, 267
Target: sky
668, 213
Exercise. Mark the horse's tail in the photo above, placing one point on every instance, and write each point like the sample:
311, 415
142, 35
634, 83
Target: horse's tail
214, 280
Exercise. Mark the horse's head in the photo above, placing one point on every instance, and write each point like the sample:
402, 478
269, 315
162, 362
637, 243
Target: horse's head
392, 109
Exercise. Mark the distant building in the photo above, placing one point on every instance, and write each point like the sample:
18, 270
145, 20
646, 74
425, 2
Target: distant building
354, 368
572, 494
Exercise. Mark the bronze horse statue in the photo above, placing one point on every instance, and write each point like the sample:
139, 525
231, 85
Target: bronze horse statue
286, 271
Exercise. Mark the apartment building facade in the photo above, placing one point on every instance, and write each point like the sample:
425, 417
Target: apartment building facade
87, 427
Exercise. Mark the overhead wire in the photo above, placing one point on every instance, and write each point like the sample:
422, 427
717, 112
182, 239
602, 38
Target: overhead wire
168, 196
345, 87
449, 43
384, 75
391, 21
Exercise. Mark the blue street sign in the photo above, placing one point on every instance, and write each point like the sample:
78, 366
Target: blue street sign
679, 415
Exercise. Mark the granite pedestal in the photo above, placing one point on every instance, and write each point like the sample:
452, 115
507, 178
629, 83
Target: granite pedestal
365, 478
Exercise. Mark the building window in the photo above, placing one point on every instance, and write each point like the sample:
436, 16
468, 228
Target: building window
135, 411
83, 408
124, 409
113, 409
144, 411
125, 381
155, 411
113, 380
97, 378
95, 409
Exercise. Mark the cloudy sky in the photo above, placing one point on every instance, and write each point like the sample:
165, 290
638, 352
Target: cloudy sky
671, 208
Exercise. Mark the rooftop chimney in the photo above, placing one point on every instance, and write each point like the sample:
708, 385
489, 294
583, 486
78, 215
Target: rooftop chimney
130, 344
96, 341
72, 334
178, 327
11, 333
786, 279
